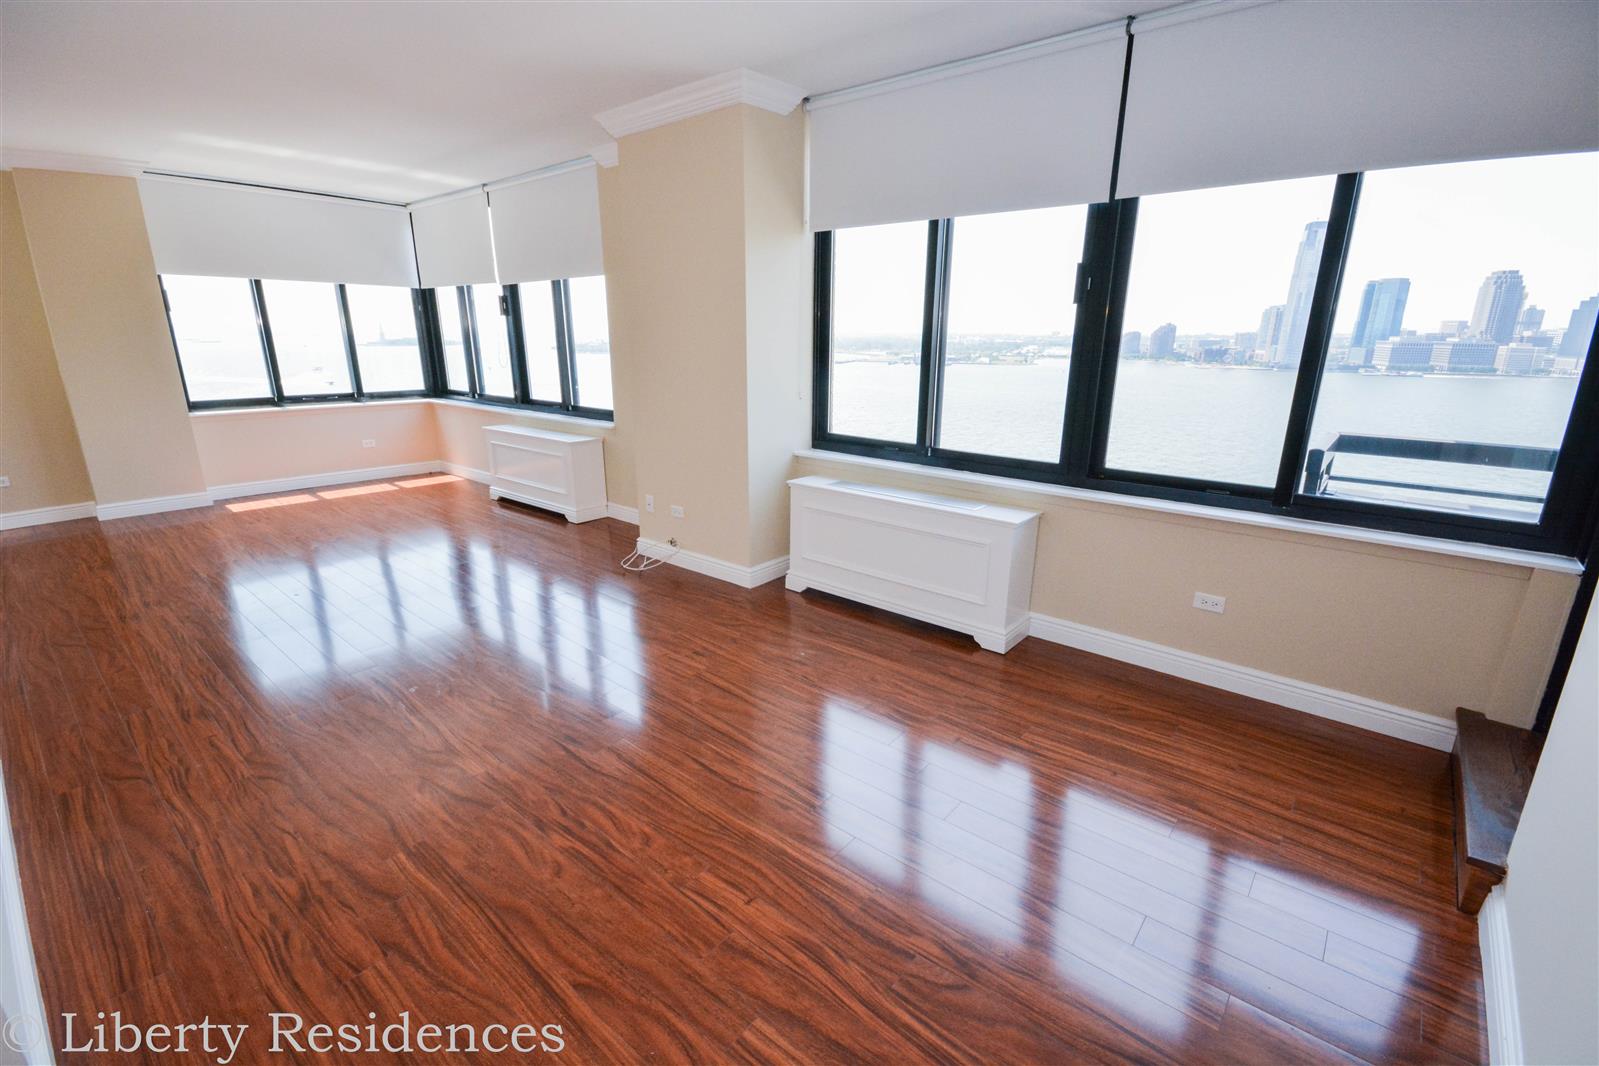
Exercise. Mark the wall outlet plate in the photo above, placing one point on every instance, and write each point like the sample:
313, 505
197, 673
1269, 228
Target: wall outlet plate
369, 444
5, 483
649, 504
1207, 602
677, 511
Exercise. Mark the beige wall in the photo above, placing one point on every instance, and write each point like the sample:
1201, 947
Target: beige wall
237, 447
98, 286
1551, 893
672, 221
1416, 629
777, 251
39, 449
460, 440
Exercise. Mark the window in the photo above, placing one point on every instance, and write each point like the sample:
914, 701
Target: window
1009, 334
452, 341
1205, 396
1405, 350
591, 343
543, 352
1450, 380
217, 337
388, 350
875, 359
491, 316
307, 338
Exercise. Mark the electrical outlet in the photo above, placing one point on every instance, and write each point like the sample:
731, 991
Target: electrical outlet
649, 504
677, 511
5, 483
1206, 602
369, 444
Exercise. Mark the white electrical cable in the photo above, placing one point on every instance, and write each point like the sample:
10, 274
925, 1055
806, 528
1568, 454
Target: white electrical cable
637, 562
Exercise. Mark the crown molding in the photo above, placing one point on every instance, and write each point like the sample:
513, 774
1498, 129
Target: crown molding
696, 98
605, 154
35, 159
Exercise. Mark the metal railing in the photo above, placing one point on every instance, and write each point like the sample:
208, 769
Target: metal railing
1320, 477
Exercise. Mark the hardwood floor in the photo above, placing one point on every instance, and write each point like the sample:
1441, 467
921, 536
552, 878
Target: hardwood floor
407, 750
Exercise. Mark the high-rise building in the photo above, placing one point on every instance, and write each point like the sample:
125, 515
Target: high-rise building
1410, 354
1465, 357
1163, 341
1453, 327
1271, 326
1132, 342
1574, 344
1382, 310
1531, 320
1499, 303
1301, 290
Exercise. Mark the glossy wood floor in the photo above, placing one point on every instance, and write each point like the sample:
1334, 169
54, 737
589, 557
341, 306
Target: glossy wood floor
396, 748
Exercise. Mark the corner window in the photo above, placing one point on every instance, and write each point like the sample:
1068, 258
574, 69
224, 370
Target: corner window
218, 339
453, 352
491, 317
388, 349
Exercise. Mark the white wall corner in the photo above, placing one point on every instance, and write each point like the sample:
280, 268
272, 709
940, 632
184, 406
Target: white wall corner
622, 513
746, 577
35, 159
605, 154
1499, 981
1363, 712
696, 98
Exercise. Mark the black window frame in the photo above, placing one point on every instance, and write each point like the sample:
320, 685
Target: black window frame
518, 300
277, 397
1100, 295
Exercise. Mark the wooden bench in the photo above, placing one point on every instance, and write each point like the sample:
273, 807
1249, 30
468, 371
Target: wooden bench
1493, 765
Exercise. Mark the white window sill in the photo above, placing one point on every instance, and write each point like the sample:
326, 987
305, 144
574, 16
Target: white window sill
403, 401
1460, 549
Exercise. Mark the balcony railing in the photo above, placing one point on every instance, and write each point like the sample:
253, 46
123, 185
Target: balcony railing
1322, 478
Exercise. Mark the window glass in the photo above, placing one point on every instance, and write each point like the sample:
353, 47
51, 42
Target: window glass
450, 335
308, 337
591, 343
1010, 332
538, 341
1219, 297
1466, 309
493, 343
879, 275
386, 348
219, 342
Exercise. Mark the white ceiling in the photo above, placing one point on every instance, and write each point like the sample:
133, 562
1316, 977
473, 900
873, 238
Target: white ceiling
399, 101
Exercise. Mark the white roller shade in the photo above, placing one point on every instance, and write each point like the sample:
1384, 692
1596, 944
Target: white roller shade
1030, 127
548, 226
1285, 90
236, 231
452, 240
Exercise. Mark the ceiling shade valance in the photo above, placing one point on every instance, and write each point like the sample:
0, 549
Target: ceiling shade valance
1033, 126
548, 225
1229, 95
453, 244
240, 231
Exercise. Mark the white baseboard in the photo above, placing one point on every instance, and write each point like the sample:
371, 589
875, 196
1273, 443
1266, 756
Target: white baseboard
106, 512
622, 513
1499, 981
1346, 707
747, 577
317, 481
20, 997
40, 516
471, 473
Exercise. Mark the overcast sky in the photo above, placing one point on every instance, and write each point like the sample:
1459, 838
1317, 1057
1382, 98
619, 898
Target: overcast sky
1212, 260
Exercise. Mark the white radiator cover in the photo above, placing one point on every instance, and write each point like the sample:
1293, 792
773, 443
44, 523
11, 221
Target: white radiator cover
561, 472
956, 563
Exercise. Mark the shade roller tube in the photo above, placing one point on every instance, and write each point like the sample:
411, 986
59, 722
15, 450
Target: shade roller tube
238, 231
548, 226
1033, 126
1275, 90
453, 245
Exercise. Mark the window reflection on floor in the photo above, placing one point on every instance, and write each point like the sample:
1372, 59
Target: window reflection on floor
298, 623
1153, 922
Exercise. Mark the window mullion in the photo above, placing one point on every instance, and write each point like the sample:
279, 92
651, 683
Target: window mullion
512, 295
933, 325
468, 306
349, 341
1318, 335
822, 335
264, 324
560, 294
